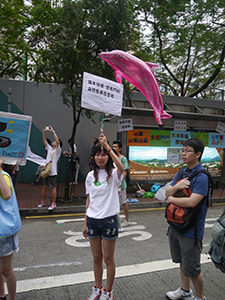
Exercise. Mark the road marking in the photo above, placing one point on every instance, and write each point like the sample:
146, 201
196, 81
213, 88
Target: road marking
84, 277
20, 269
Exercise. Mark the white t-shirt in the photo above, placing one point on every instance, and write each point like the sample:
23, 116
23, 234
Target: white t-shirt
104, 199
53, 155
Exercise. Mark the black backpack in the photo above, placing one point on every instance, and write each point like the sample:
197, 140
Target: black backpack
180, 218
217, 245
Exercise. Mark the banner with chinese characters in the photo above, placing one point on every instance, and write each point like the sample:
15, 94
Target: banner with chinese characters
14, 137
177, 138
138, 137
101, 94
216, 140
204, 136
160, 138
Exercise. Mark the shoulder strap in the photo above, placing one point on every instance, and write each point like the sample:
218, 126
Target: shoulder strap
180, 173
209, 180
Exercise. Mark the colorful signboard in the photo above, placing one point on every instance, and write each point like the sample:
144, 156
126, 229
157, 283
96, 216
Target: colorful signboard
177, 138
204, 136
162, 163
160, 138
138, 137
216, 140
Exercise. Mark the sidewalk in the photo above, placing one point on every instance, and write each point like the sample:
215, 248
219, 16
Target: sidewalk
29, 197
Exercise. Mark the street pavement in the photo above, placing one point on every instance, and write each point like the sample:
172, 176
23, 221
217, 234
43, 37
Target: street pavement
55, 261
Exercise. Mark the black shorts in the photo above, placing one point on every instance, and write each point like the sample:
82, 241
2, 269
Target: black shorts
50, 181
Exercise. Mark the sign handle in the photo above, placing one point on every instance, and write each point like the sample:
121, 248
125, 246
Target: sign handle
102, 126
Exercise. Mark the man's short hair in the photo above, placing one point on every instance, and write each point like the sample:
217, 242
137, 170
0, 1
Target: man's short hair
118, 143
196, 144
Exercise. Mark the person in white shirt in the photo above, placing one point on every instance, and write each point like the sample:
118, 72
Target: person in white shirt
53, 154
102, 206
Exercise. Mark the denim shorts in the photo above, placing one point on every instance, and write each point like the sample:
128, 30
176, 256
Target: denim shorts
106, 228
9, 245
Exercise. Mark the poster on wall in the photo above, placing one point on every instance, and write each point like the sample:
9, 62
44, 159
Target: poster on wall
162, 163
204, 136
138, 137
150, 163
162, 157
14, 137
216, 140
160, 138
177, 139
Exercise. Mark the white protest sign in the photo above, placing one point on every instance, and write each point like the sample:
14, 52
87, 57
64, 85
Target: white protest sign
101, 94
180, 125
125, 125
220, 127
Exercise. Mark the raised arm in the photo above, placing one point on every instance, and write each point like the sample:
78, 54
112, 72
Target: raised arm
44, 137
55, 136
115, 158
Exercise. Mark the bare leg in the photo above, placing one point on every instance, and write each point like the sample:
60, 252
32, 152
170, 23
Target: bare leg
109, 249
96, 248
198, 284
54, 194
7, 271
186, 281
44, 192
2, 289
126, 211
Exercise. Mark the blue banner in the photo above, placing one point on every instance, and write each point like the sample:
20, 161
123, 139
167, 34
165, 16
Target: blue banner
14, 137
177, 138
216, 140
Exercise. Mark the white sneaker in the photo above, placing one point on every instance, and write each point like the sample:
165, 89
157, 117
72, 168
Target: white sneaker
106, 295
52, 206
180, 294
125, 223
197, 298
96, 293
41, 204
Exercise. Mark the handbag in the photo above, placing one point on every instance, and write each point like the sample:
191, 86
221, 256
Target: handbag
46, 169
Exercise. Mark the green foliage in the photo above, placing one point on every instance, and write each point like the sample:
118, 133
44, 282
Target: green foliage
187, 38
13, 24
66, 40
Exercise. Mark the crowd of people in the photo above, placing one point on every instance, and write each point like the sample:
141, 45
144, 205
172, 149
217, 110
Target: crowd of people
105, 186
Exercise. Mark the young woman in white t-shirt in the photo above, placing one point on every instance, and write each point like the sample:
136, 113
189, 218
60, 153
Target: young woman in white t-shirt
102, 206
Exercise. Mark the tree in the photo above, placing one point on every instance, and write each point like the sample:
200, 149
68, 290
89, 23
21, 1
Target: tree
68, 38
13, 25
188, 39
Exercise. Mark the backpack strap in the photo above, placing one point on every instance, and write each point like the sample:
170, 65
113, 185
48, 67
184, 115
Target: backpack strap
180, 173
210, 182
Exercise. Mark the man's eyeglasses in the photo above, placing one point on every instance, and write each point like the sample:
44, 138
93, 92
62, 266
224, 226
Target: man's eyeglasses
186, 150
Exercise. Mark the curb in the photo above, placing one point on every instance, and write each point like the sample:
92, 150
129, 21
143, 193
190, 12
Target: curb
80, 209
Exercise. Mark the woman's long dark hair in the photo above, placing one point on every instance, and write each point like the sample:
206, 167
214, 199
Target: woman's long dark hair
109, 165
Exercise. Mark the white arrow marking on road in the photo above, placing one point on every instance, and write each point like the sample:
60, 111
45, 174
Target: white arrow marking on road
83, 277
